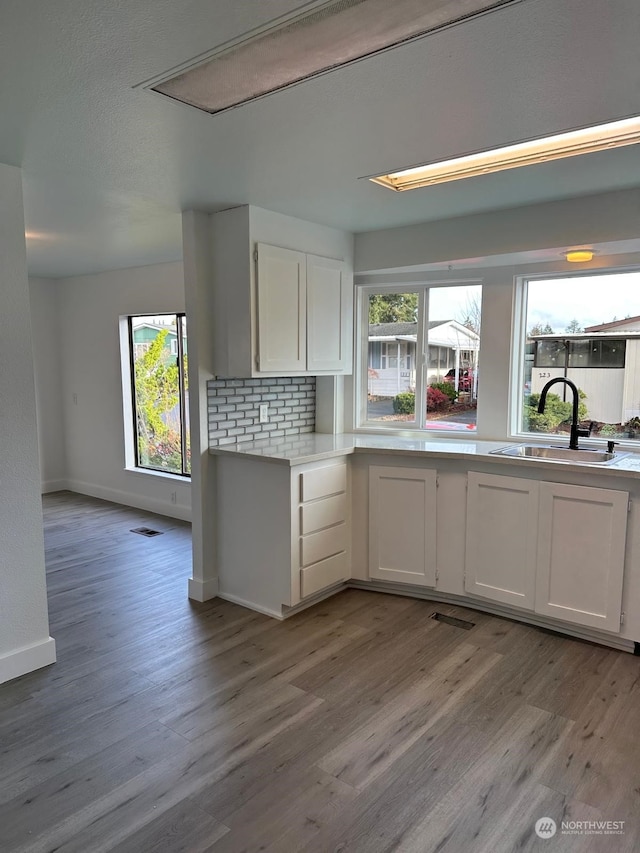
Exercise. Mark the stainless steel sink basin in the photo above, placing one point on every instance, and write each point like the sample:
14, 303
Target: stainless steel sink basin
559, 454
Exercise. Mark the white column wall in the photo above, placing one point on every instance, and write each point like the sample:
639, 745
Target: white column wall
24, 627
197, 254
45, 324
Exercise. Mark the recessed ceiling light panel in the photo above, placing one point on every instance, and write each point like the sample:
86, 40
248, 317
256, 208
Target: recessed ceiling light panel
323, 38
585, 140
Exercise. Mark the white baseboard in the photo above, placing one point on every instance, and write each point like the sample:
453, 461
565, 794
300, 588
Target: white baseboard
235, 599
54, 486
21, 661
203, 590
128, 499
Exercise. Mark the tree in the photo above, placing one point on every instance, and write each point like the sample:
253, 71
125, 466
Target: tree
393, 308
157, 393
574, 327
469, 315
539, 329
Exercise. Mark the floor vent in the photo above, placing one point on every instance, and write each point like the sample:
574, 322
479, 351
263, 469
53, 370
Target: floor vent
451, 620
146, 531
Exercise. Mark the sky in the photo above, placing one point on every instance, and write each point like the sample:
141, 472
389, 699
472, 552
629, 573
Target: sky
589, 299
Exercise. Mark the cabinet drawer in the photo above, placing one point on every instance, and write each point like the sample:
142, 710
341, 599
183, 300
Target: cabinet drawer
323, 482
325, 543
320, 575
322, 513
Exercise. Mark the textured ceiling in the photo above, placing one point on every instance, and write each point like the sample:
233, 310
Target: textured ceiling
108, 167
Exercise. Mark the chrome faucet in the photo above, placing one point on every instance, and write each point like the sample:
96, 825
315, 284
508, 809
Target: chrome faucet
576, 431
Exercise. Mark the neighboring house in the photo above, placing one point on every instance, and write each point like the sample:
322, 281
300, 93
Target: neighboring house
144, 334
603, 361
392, 354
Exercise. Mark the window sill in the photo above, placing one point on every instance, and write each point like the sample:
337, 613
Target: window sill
163, 475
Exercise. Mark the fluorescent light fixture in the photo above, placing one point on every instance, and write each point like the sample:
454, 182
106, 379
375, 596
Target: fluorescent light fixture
569, 144
293, 48
579, 256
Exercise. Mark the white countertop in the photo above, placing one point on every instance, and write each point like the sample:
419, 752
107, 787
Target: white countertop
312, 447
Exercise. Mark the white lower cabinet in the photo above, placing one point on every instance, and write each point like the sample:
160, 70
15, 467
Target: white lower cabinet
320, 529
501, 537
552, 548
581, 545
402, 525
283, 534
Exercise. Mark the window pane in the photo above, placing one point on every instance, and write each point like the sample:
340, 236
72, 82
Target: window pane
550, 353
391, 345
156, 379
579, 353
586, 329
453, 345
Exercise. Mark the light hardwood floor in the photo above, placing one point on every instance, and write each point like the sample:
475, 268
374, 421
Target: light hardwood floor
359, 725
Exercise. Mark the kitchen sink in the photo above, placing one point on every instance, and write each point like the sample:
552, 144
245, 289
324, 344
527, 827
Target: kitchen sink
559, 454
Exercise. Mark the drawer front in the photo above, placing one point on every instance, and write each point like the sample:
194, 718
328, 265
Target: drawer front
323, 482
323, 574
326, 543
322, 513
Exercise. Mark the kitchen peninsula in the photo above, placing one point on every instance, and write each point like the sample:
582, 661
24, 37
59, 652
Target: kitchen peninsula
555, 544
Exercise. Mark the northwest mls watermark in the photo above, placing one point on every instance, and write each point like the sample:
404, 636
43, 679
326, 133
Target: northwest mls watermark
546, 827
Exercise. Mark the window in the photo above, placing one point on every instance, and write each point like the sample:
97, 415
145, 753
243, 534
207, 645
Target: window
422, 343
584, 328
158, 358
584, 352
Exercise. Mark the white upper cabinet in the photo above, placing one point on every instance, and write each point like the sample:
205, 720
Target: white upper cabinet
581, 546
282, 295
281, 309
328, 315
303, 313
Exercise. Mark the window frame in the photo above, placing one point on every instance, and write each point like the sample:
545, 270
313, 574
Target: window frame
519, 342
182, 401
361, 360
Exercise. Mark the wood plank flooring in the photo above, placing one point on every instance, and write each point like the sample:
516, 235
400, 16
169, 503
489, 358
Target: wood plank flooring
360, 725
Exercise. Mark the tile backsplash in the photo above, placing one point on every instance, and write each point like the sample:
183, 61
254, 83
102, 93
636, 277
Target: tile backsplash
233, 405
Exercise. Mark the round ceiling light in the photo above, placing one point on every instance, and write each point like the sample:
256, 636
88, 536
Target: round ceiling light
579, 256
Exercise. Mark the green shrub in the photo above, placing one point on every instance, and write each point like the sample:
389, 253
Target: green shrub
556, 412
534, 422
608, 429
447, 388
404, 403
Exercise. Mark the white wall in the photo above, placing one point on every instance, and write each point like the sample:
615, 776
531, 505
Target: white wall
89, 311
598, 218
45, 326
196, 244
24, 628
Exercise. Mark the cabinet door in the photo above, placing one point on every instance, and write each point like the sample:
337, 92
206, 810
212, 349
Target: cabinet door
502, 521
581, 547
327, 340
402, 525
281, 309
